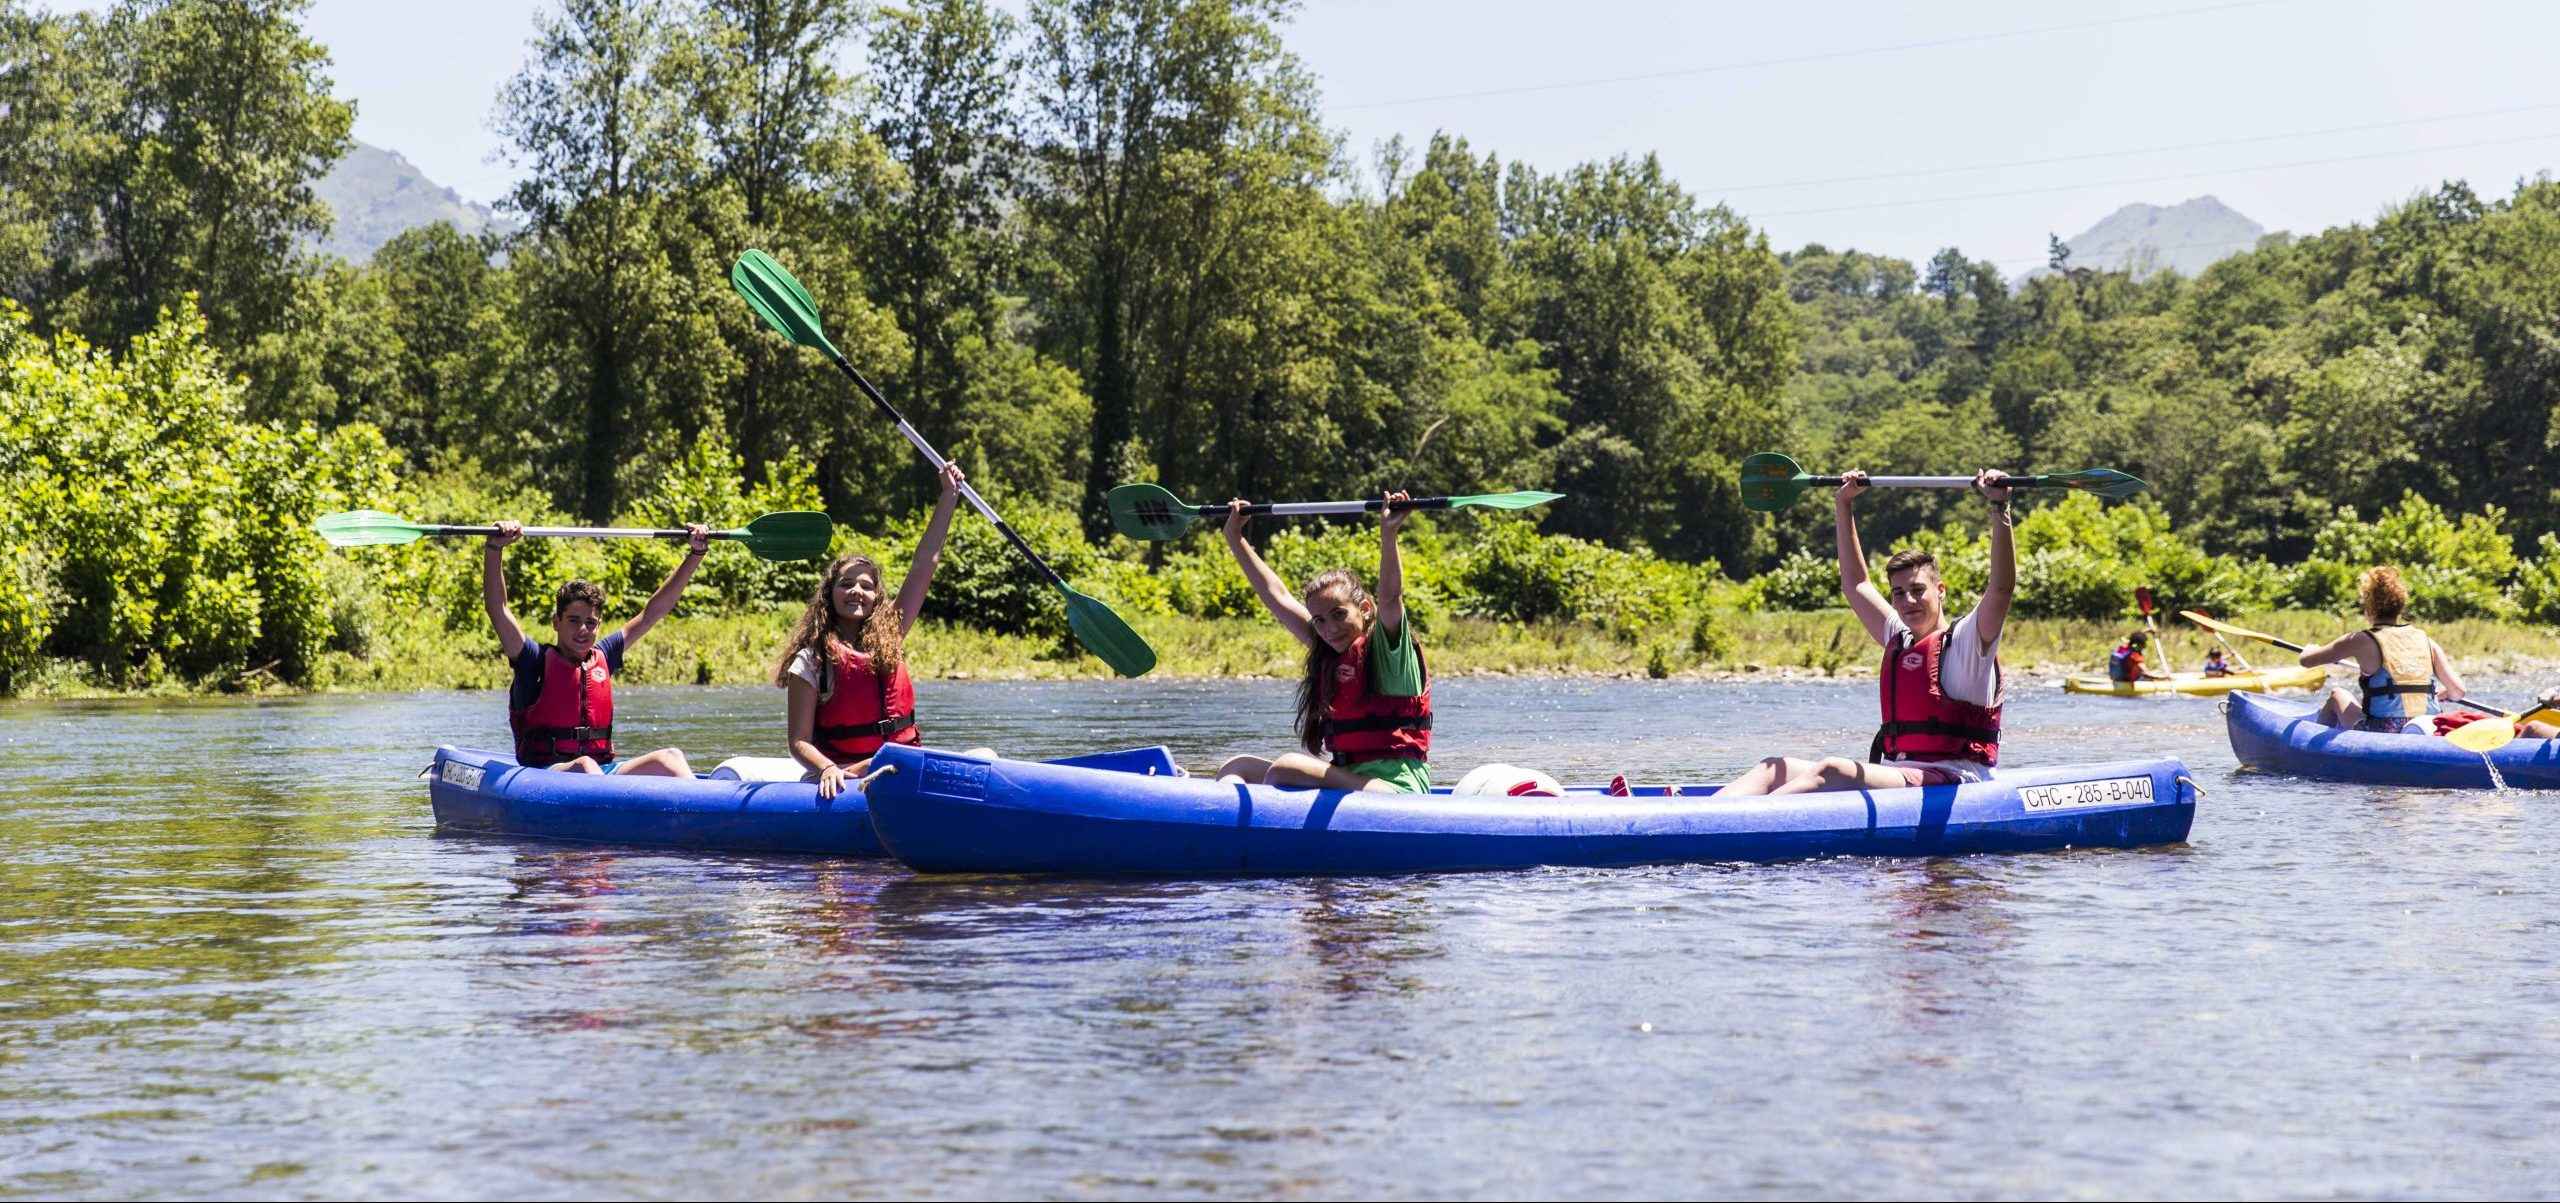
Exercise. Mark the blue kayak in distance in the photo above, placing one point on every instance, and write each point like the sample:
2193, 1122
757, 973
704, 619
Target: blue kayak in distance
2274, 735
488, 793
944, 813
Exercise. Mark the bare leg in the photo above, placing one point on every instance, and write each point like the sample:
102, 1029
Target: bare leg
583, 764
1244, 768
2538, 731
1298, 768
665, 762
2341, 710
1840, 772
1766, 776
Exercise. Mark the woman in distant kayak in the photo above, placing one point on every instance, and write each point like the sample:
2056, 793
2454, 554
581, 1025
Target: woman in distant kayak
560, 704
1366, 698
844, 672
2400, 672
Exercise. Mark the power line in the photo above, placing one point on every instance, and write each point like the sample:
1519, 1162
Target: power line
1821, 56
2155, 179
2148, 150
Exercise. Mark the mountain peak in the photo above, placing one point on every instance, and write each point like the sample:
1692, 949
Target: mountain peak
2147, 239
377, 194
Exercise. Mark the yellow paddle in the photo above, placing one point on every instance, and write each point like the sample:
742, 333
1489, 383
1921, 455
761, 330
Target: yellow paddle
2496, 731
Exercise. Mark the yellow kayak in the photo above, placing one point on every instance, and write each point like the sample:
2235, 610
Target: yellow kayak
2263, 680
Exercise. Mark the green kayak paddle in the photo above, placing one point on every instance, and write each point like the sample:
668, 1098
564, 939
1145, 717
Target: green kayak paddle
778, 298
1145, 511
789, 535
1772, 482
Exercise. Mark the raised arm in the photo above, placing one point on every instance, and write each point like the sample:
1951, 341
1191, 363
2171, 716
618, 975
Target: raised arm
1391, 563
1267, 584
1992, 612
1864, 600
493, 589
663, 602
928, 550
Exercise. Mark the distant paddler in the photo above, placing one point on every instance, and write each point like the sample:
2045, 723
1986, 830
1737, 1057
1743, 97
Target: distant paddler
2401, 673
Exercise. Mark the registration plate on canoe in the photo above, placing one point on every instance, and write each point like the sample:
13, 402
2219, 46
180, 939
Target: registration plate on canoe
2114, 791
465, 776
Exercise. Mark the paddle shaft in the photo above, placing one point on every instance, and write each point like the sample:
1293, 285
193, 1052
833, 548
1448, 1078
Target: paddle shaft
935, 458
1934, 482
574, 532
1286, 509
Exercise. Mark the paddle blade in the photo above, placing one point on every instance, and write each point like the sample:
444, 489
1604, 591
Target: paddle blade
2483, 734
1148, 512
1104, 634
777, 297
789, 535
1522, 500
367, 528
2142, 599
2105, 482
1770, 482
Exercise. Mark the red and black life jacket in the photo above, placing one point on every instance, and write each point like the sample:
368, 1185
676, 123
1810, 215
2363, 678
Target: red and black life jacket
571, 717
857, 711
1920, 721
1361, 724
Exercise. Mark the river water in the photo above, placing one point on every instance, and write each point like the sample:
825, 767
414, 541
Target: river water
235, 961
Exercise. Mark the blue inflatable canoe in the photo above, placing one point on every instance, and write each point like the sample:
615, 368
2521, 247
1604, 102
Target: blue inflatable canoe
488, 793
953, 814
2272, 735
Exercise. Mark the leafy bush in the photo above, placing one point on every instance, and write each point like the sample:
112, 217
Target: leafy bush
2538, 582
176, 535
2455, 567
1802, 581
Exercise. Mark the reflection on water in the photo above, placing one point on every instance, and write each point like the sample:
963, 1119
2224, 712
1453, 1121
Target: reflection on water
269, 979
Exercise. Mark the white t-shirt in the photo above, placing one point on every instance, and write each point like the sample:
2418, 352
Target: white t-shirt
1968, 671
804, 665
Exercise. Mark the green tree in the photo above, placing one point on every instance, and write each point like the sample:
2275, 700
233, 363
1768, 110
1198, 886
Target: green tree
222, 122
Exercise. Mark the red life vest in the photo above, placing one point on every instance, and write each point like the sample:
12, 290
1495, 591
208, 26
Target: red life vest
573, 714
857, 711
1920, 721
1361, 724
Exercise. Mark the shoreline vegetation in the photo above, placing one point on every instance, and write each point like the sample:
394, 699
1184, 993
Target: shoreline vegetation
738, 649
1210, 293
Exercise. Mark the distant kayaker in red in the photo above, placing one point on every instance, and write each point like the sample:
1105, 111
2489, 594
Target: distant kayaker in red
2125, 663
1366, 699
844, 673
2400, 672
561, 701
1940, 684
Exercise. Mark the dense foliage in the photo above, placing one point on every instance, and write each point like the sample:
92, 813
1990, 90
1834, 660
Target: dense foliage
1111, 240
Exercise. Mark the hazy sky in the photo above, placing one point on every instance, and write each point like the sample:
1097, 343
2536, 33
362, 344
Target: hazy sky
1891, 127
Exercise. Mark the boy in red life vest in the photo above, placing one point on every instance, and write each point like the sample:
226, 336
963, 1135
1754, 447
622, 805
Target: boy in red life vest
1940, 684
844, 673
2125, 663
1365, 700
561, 702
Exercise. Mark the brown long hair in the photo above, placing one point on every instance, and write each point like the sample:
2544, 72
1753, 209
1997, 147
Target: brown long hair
1315, 690
879, 637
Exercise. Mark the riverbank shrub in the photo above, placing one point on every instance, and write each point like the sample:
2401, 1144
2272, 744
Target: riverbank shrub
175, 534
